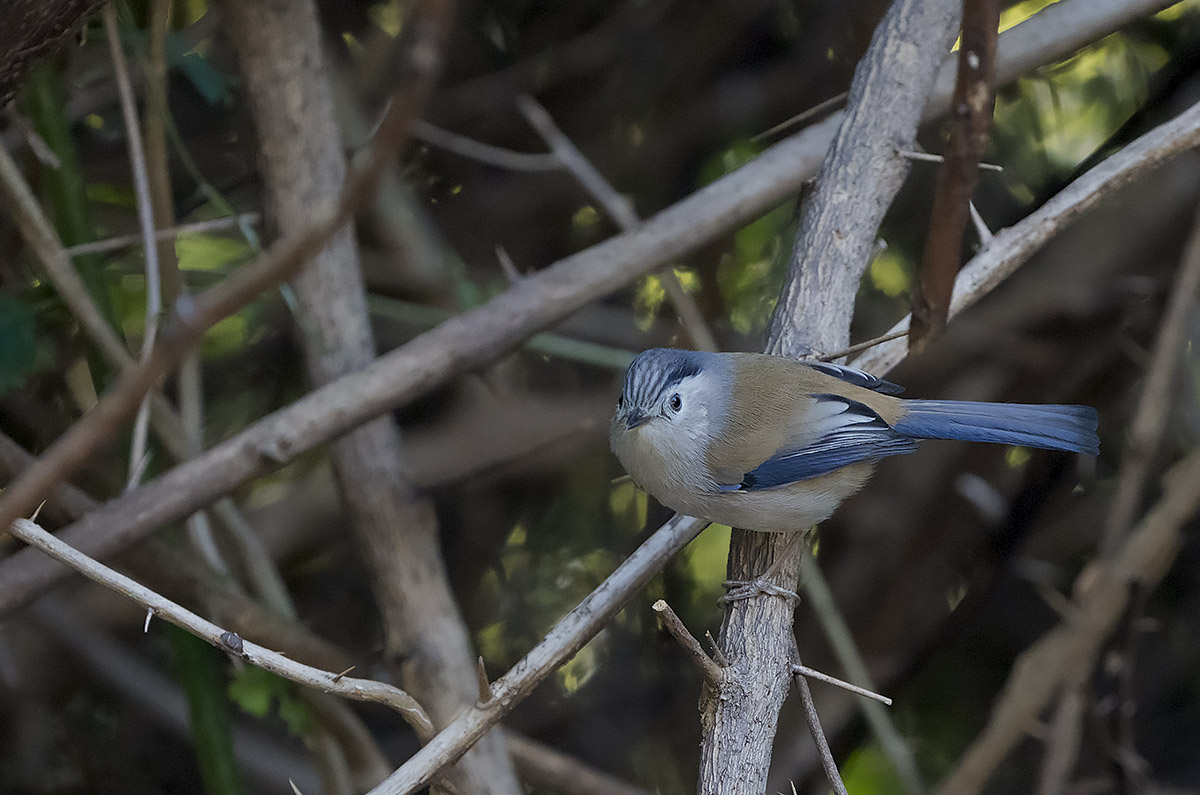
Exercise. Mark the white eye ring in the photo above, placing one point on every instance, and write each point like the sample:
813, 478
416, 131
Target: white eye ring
676, 402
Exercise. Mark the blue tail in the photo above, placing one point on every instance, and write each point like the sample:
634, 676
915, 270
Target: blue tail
1070, 428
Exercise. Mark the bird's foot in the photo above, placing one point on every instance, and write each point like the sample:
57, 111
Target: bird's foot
748, 589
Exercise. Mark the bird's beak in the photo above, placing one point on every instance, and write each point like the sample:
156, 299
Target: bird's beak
636, 419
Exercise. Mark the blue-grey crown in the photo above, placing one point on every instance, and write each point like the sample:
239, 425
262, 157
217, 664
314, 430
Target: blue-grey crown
655, 371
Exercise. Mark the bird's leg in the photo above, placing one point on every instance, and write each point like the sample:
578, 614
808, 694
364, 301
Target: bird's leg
762, 585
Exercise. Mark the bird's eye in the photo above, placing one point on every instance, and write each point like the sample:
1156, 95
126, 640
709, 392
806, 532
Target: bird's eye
621, 402
676, 402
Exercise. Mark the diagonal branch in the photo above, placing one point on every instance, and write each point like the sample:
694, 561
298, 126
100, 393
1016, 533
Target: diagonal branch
324, 681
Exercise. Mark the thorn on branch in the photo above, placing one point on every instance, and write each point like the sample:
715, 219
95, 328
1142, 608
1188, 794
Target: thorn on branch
485, 685
930, 157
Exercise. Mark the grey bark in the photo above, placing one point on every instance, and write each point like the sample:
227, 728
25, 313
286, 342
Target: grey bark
861, 174
32, 29
426, 641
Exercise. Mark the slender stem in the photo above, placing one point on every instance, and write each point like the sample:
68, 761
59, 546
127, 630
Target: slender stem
828, 763
324, 681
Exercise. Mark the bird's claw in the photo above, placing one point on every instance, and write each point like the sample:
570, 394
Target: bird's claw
748, 589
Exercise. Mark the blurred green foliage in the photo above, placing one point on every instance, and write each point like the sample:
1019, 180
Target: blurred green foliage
18, 343
262, 693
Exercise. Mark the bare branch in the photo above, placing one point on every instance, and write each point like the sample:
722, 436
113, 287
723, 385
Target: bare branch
124, 241
485, 153
818, 734
141, 186
813, 673
971, 118
324, 681
713, 674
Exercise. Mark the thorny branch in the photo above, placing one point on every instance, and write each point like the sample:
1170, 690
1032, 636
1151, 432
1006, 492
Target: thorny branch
324, 681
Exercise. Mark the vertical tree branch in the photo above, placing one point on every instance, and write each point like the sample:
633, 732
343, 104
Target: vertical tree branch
833, 248
971, 118
426, 641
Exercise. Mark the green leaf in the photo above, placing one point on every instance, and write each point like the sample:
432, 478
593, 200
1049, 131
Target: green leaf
296, 714
253, 689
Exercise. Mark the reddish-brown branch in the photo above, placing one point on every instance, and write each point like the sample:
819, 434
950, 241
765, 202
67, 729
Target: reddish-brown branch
971, 118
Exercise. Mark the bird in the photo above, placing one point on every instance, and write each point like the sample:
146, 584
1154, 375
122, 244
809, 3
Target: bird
767, 443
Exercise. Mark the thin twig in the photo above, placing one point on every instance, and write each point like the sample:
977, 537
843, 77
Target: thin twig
145, 211
324, 681
1062, 741
619, 209
124, 241
714, 674
1150, 418
818, 734
813, 673
41, 150
861, 346
981, 227
717, 655
485, 153
930, 157
834, 102
485, 687
507, 265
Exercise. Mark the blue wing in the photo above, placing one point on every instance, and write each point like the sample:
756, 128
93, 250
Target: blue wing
857, 377
850, 432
